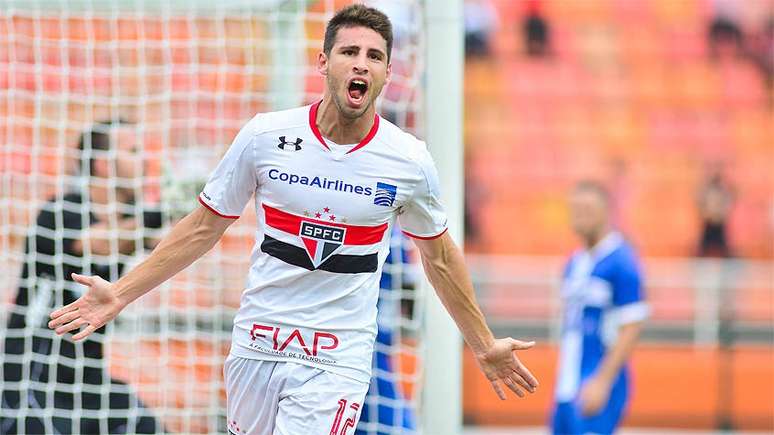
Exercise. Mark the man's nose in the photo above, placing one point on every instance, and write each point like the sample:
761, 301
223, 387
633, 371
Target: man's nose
360, 66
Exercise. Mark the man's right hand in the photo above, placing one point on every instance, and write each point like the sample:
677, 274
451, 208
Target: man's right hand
91, 311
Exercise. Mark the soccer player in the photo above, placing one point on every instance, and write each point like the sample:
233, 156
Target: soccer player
329, 181
45, 377
603, 314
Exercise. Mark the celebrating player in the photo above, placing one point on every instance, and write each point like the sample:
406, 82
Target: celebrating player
603, 315
329, 181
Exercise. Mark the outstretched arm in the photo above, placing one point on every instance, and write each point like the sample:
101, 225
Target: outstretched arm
446, 270
596, 391
191, 238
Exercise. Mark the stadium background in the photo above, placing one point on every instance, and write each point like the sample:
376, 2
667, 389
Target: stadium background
629, 93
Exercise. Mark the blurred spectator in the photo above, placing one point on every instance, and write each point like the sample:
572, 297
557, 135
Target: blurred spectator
761, 50
603, 312
537, 36
620, 193
480, 22
725, 36
715, 200
475, 195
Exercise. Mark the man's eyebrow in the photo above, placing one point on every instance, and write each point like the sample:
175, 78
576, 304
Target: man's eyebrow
357, 47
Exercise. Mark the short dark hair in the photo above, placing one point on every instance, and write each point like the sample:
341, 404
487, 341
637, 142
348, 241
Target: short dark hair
96, 138
354, 16
594, 187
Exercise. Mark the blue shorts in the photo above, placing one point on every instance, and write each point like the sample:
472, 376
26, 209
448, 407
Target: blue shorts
568, 420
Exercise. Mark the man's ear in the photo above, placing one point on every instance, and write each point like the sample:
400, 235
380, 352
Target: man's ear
322, 64
388, 77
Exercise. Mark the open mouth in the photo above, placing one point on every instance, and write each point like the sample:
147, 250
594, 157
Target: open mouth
357, 90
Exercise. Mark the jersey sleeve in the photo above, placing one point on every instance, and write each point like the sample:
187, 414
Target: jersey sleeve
234, 180
423, 216
628, 298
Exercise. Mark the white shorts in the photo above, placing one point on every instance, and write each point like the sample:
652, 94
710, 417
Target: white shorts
286, 398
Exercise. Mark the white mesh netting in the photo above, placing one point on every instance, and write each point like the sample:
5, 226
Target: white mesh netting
183, 77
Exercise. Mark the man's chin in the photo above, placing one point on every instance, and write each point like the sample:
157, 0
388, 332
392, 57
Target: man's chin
354, 112
348, 111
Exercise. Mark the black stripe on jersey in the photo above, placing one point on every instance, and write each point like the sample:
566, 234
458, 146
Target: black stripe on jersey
340, 263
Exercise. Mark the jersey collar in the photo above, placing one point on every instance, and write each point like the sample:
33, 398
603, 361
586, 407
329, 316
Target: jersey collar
606, 246
318, 135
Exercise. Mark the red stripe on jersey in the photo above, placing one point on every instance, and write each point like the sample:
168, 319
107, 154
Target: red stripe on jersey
369, 136
414, 236
318, 135
356, 234
313, 124
215, 211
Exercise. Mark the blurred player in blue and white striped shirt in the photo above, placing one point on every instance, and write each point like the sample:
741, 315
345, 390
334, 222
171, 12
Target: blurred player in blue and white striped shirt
603, 313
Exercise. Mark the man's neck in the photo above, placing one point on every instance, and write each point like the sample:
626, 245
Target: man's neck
335, 127
592, 240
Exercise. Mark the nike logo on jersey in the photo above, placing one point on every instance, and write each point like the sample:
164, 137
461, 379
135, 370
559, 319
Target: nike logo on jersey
321, 242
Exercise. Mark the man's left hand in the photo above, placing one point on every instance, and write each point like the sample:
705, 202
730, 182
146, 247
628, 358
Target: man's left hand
500, 364
594, 395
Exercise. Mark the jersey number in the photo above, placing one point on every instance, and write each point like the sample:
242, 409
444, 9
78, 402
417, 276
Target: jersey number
350, 422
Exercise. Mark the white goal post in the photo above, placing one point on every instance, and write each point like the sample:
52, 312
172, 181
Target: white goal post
442, 401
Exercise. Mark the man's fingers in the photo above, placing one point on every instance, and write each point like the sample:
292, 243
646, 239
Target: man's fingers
512, 385
524, 384
66, 309
521, 345
84, 333
63, 318
82, 279
75, 324
499, 390
524, 373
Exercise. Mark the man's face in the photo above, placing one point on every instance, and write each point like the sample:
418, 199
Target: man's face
128, 161
126, 165
588, 213
356, 69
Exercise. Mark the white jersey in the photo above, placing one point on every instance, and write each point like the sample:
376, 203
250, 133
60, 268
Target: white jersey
324, 217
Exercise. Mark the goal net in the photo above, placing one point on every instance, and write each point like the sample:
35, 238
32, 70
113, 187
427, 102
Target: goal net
180, 78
